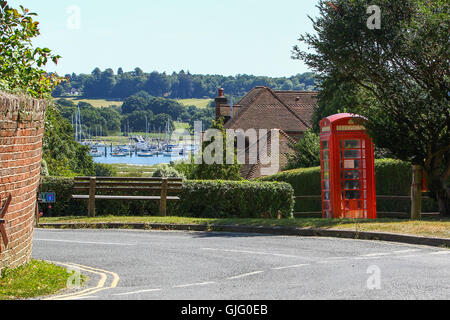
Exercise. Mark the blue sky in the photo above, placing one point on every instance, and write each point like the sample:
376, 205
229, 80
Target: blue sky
225, 37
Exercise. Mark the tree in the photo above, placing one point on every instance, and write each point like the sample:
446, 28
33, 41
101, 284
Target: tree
335, 96
20, 63
216, 171
307, 152
64, 156
402, 70
157, 84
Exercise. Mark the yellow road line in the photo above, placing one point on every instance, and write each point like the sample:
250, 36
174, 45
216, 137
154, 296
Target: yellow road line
99, 287
115, 275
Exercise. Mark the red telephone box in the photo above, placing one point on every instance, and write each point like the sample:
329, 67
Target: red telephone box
348, 170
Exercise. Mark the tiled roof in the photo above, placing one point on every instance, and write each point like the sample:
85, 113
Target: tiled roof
262, 107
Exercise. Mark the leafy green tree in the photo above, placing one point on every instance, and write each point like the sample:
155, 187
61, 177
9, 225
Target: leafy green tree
402, 70
217, 171
20, 63
335, 96
64, 156
307, 152
157, 84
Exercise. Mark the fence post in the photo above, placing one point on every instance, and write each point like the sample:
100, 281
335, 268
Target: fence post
416, 193
163, 203
91, 207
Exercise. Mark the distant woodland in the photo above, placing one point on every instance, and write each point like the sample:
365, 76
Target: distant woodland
181, 85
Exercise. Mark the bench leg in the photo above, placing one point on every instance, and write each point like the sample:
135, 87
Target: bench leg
163, 203
91, 206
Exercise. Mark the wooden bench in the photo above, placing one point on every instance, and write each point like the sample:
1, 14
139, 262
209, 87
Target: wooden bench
150, 186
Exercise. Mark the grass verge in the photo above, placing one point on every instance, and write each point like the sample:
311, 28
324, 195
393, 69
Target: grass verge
428, 228
38, 278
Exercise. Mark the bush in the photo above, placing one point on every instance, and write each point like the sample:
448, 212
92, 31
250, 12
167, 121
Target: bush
218, 199
241, 199
104, 170
392, 177
166, 171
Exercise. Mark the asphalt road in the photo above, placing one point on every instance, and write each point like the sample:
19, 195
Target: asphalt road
127, 264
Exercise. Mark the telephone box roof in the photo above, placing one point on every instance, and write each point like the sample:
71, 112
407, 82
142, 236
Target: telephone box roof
340, 116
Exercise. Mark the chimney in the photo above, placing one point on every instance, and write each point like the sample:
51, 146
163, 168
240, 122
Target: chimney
220, 101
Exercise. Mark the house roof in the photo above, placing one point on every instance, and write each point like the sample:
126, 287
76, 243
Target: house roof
290, 111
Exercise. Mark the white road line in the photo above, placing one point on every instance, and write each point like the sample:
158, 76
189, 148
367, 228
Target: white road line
288, 267
254, 252
406, 251
136, 292
245, 275
376, 254
409, 256
193, 284
441, 252
87, 242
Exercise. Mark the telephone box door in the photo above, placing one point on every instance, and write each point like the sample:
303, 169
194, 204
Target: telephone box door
353, 177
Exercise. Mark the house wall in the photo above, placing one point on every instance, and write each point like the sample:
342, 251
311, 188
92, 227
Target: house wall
21, 131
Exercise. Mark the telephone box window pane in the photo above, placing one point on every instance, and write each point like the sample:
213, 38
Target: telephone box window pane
325, 165
348, 154
352, 195
324, 145
326, 176
326, 205
352, 144
326, 155
352, 174
352, 185
326, 195
326, 185
352, 164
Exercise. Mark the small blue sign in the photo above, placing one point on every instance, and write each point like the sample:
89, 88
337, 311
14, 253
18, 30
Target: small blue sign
47, 197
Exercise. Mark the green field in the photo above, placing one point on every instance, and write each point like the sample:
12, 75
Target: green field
98, 103
199, 103
127, 170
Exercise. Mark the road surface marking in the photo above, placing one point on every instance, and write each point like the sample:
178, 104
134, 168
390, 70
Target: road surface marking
254, 252
100, 284
136, 292
115, 275
193, 284
87, 242
407, 251
409, 256
288, 267
376, 254
86, 292
441, 252
245, 275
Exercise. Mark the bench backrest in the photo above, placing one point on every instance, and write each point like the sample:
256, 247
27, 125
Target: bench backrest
124, 184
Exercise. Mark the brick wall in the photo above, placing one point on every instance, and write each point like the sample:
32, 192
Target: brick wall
21, 132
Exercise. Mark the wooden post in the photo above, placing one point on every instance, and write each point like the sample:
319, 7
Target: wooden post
163, 203
416, 193
91, 207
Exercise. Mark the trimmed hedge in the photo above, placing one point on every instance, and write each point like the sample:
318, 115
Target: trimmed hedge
392, 178
212, 199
